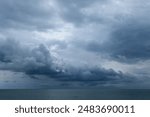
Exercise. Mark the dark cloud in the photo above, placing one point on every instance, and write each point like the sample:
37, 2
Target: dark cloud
17, 57
38, 61
130, 42
124, 36
87, 34
71, 10
93, 74
30, 14
127, 43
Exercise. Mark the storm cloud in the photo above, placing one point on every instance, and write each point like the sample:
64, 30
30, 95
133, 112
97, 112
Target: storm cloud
39, 61
131, 42
30, 14
76, 42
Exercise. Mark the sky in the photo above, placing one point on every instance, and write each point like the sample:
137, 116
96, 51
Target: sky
74, 44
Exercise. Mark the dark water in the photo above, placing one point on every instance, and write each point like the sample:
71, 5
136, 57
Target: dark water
76, 94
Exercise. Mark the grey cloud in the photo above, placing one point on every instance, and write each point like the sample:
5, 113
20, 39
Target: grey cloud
117, 36
71, 10
125, 38
127, 43
17, 57
38, 61
93, 74
28, 14
131, 42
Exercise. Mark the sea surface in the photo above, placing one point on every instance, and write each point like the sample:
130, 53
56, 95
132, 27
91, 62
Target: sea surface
75, 94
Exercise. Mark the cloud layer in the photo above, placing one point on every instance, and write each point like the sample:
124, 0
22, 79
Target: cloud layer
97, 42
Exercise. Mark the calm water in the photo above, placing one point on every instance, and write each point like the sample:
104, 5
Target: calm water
76, 94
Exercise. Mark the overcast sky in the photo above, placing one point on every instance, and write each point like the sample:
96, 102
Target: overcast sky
74, 43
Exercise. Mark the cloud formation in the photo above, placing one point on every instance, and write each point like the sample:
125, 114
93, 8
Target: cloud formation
18, 57
90, 41
38, 60
30, 14
130, 42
